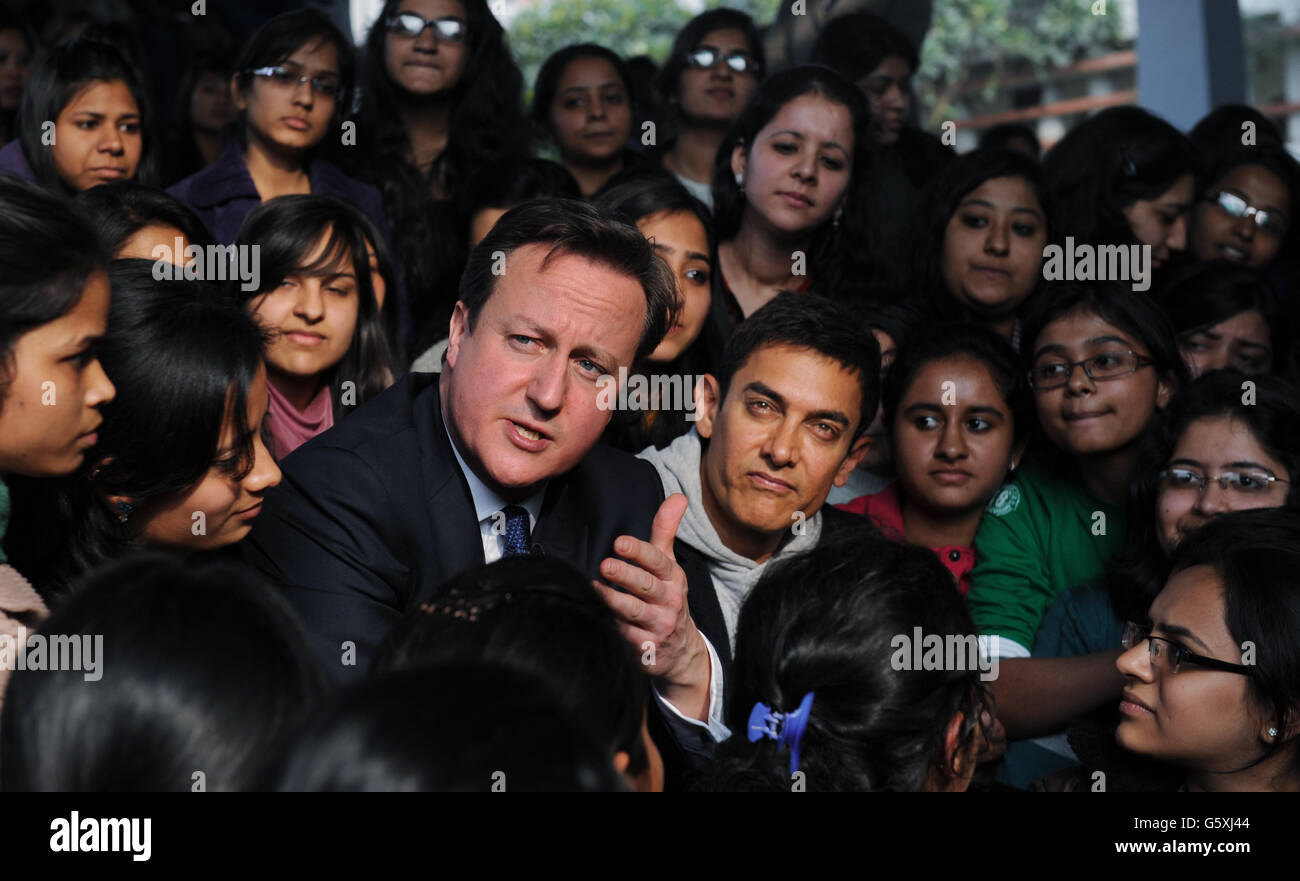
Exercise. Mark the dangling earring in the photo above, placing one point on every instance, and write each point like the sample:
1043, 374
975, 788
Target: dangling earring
839, 212
740, 180
124, 510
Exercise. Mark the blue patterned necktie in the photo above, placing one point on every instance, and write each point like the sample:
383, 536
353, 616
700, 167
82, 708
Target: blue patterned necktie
517, 532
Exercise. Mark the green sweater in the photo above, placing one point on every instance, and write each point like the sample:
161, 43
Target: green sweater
1040, 536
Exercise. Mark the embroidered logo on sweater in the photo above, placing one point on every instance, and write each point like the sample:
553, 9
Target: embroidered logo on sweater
1005, 502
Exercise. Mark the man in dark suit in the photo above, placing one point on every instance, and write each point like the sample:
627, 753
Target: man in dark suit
496, 456
783, 422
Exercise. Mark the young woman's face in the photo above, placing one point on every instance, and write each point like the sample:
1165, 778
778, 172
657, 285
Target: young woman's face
888, 88
681, 241
1162, 222
993, 247
1199, 718
1217, 235
427, 64
98, 136
228, 504
591, 113
1242, 342
15, 59
292, 117
954, 437
211, 109
1209, 446
798, 170
717, 95
1087, 416
49, 407
312, 318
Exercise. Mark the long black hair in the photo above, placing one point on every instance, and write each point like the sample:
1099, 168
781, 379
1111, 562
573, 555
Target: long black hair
57, 76
1106, 163
827, 622
833, 247
487, 123
1137, 573
48, 253
287, 230
203, 670
183, 358
463, 726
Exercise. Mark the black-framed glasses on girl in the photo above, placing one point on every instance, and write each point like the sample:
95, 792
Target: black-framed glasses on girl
1170, 656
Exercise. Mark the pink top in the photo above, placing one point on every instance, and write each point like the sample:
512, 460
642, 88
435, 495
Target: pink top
291, 427
885, 509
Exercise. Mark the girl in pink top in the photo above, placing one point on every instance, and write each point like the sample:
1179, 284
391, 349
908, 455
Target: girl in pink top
322, 303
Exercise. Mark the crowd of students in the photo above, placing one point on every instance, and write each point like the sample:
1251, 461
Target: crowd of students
305, 411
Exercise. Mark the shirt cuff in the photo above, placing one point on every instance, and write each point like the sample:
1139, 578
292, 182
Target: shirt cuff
715, 726
995, 646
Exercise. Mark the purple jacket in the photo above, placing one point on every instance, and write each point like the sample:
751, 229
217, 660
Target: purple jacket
14, 161
223, 194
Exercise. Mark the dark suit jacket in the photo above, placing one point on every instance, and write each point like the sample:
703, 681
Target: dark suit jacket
374, 514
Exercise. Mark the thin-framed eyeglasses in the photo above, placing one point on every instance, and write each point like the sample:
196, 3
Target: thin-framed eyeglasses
448, 28
1169, 656
706, 57
1050, 374
326, 86
1236, 207
1243, 483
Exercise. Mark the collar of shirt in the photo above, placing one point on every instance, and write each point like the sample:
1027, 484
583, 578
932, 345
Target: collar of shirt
486, 501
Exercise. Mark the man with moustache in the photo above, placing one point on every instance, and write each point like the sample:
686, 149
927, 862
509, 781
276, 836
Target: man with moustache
783, 422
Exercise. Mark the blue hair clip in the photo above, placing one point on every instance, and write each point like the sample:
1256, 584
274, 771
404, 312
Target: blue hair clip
785, 728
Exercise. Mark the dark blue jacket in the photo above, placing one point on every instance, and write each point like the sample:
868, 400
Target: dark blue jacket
14, 161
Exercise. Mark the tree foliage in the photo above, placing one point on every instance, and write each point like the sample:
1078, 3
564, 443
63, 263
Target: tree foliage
994, 35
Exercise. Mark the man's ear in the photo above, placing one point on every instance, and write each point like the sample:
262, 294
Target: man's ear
707, 402
857, 451
456, 333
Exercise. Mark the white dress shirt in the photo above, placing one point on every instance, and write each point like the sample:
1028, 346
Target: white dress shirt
487, 505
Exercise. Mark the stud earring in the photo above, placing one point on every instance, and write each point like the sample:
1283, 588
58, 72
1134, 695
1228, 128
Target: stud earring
740, 179
1272, 732
124, 510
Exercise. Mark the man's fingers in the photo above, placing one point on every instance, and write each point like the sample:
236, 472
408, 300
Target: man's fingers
643, 572
664, 529
624, 605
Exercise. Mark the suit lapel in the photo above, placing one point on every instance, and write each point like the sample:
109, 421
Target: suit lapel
455, 538
562, 530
